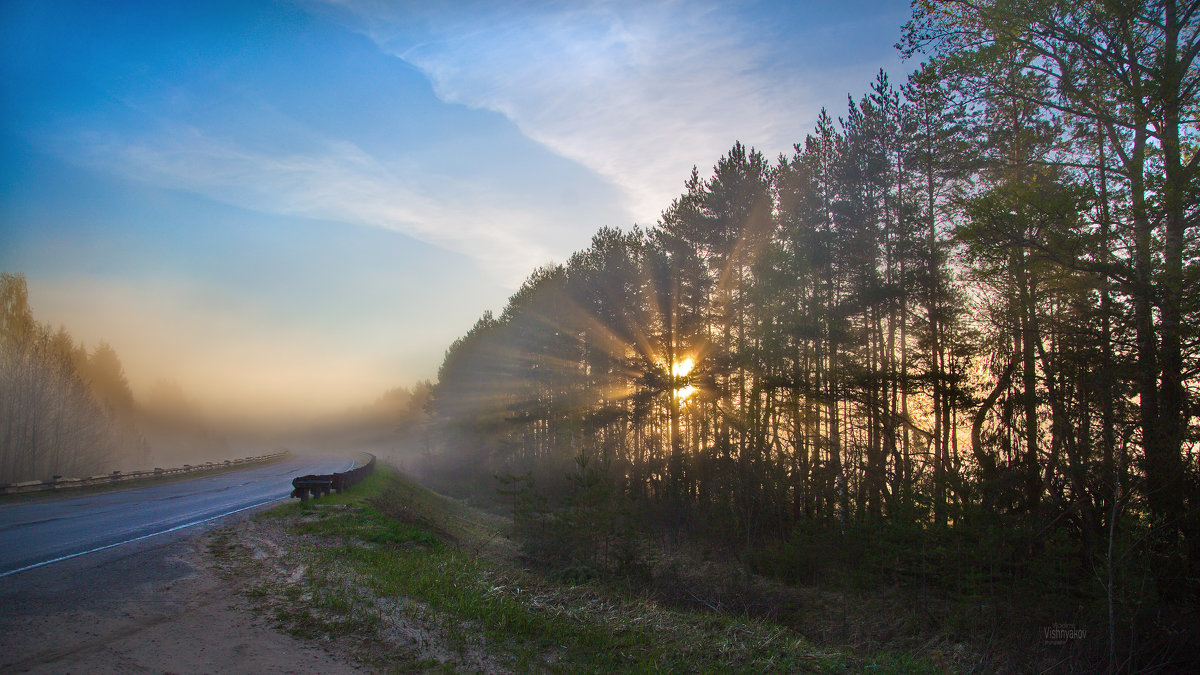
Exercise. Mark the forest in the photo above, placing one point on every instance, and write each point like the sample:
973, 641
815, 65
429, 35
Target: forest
68, 410
950, 341
64, 410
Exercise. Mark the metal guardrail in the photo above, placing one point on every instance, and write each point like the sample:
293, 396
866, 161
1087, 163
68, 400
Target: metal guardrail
320, 485
61, 483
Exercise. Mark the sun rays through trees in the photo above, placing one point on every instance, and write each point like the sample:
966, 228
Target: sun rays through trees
965, 307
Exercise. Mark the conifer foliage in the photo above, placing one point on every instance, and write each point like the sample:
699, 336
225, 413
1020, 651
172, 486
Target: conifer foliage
967, 305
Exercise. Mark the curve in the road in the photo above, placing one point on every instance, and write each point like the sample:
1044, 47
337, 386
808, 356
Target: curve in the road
43, 532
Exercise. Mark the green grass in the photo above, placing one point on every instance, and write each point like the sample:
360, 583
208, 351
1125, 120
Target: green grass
369, 525
443, 564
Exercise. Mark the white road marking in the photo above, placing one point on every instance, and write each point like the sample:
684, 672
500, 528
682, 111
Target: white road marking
144, 536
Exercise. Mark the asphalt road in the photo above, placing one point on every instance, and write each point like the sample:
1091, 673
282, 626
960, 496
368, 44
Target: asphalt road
46, 532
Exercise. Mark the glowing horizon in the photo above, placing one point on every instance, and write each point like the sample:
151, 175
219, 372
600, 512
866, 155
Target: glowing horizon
310, 202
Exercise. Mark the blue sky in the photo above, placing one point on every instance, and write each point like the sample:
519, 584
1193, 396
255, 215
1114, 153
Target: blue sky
305, 203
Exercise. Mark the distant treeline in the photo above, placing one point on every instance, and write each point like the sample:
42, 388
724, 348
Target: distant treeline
66, 410
971, 304
397, 407
63, 410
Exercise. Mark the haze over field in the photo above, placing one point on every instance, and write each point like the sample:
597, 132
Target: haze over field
906, 379
292, 207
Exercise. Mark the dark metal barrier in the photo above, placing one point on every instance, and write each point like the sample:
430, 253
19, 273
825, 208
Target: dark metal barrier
320, 485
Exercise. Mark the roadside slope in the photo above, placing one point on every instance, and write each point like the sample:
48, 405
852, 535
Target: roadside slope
399, 578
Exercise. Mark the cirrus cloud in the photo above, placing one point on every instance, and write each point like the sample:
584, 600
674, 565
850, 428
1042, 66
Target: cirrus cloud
333, 180
637, 91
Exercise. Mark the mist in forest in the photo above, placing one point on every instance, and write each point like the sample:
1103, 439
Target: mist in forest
68, 409
936, 339
949, 337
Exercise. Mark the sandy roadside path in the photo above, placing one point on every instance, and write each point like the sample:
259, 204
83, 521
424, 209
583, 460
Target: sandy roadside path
157, 606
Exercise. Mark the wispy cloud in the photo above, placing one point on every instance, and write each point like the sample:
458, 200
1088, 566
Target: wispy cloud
637, 91
333, 180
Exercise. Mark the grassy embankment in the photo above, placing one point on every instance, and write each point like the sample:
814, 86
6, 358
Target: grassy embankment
391, 558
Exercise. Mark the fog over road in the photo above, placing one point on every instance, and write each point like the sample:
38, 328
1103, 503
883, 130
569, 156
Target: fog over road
45, 531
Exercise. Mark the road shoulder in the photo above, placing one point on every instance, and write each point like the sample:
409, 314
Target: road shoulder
164, 606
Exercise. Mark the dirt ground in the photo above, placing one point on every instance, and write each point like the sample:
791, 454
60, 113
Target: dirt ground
159, 606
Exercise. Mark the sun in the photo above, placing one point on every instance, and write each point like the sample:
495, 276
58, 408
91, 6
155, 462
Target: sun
682, 369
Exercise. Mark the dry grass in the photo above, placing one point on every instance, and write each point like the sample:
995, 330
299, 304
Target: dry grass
403, 579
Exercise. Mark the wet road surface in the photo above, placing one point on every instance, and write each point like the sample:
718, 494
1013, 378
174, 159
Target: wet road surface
43, 532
